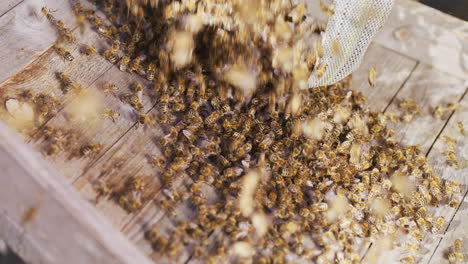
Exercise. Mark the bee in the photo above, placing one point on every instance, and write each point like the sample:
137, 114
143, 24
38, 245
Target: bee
104, 188
164, 103
46, 11
146, 119
29, 215
111, 114
123, 63
88, 50
89, 149
319, 207
135, 66
160, 244
134, 101
150, 72
438, 225
454, 202
110, 88
64, 53
456, 257
68, 36
158, 161
407, 260
461, 128
110, 56
115, 46
67, 82
372, 76
457, 245
53, 149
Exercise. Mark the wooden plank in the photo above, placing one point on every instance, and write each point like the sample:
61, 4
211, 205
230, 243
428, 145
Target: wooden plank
27, 182
69, 162
7, 5
29, 33
393, 70
41, 75
427, 35
428, 88
455, 228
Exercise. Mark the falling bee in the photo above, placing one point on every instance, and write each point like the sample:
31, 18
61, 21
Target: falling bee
372, 76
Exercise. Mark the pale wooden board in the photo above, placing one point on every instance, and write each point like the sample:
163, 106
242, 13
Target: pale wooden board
433, 37
393, 70
7, 5
99, 130
29, 33
65, 228
457, 228
429, 88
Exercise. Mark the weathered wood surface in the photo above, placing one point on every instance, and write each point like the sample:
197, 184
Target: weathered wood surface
431, 74
456, 224
7, 5
428, 88
427, 35
64, 228
28, 33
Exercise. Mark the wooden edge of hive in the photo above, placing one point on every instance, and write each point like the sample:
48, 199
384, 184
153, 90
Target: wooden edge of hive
44, 220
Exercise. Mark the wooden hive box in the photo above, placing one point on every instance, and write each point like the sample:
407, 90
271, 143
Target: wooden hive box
420, 54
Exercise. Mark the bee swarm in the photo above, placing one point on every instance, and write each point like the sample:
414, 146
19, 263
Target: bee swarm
298, 174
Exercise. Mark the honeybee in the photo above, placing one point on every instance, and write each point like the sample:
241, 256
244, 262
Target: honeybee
135, 65
88, 50
457, 245
158, 161
89, 149
67, 82
456, 257
110, 88
29, 215
53, 149
146, 119
407, 260
64, 53
461, 128
46, 11
123, 63
110, 56
111, 114
150, 72
438, 225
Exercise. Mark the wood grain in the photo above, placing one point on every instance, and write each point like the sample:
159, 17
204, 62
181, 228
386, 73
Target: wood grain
7, 5
393, 70
429, 88
27, 182
29, 33
427, 35
457, 226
